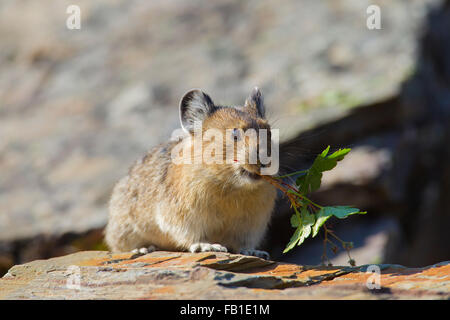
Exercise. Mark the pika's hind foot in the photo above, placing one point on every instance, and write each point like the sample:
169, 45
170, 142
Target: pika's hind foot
143, 250
256, 253
205, 247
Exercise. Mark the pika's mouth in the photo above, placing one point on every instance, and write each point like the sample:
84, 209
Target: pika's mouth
249, 174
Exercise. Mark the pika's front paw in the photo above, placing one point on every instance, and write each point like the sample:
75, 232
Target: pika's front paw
205, 247
255, 253
143, 250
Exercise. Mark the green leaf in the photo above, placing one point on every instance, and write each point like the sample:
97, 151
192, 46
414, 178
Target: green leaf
319, 222
310, 180
323, 164
308, 220
295, 221
293, 241
340, 154
325, 152
301, 178
340, 212
303, 230
306, 223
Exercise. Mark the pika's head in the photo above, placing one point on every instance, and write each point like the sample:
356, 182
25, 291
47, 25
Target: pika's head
232, 143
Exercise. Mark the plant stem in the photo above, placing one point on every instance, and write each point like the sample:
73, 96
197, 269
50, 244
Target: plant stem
294, 190
290, 174
324, 254
294, 197
339, 239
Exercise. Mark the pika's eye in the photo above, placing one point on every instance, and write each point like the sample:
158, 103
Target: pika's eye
236, 134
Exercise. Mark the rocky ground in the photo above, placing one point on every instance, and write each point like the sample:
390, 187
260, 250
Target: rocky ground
175, 275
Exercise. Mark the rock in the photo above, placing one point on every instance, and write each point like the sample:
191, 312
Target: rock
178, 275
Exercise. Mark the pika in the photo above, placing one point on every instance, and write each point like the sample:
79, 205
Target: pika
167, 205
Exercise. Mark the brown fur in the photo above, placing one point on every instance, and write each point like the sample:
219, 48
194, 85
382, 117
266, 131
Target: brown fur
173, 206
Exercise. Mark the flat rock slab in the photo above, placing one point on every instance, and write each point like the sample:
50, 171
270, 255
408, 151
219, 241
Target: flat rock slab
179, 275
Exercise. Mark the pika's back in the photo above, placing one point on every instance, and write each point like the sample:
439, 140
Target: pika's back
154, 165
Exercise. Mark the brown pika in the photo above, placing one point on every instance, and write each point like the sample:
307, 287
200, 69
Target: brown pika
193, 205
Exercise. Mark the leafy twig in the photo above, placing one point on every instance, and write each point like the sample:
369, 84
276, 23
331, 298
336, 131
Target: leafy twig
309, 217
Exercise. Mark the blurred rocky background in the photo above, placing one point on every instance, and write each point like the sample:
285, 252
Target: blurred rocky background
77, 107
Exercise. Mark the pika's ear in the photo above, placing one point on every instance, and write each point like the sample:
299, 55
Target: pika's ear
255, 103
194, 106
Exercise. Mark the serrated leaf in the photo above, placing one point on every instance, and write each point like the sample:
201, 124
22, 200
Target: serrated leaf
295, 221
319, 222
306, 231
340, 212
301, 177
325, 152
303, 231
310, 181
324, 164
340, 154
293, 241
307, 218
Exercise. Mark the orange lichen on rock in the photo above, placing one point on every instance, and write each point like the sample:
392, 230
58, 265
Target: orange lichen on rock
208, 275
